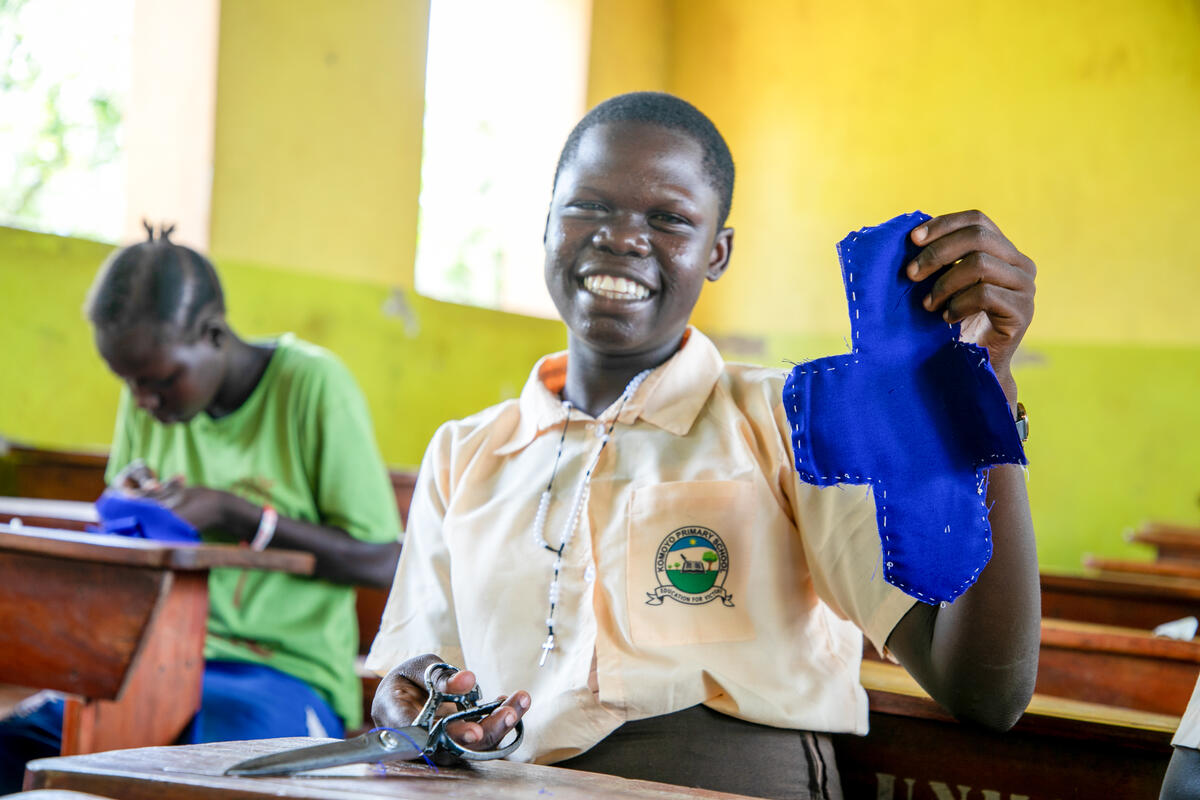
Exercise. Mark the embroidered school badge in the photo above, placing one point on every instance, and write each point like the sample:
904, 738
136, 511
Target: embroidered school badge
691, 565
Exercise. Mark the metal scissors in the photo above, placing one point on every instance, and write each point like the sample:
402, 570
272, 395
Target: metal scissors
425, 738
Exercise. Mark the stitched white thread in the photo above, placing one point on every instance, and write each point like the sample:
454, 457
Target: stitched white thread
882, 509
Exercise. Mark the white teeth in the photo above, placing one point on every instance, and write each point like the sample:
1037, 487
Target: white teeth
615, 288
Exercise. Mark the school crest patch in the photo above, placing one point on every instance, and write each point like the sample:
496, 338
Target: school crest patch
691, 566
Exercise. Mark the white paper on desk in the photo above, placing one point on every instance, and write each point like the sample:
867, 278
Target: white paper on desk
1182, 629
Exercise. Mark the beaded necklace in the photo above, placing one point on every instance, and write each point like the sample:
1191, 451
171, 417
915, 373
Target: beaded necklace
577, 506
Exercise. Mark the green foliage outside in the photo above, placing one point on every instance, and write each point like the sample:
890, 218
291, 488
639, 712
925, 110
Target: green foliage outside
60, 125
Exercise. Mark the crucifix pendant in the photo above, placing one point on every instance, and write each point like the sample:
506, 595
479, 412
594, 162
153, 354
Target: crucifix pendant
547, 646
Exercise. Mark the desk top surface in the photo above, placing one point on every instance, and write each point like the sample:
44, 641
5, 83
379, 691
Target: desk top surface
49, 509
109, 549
195, 771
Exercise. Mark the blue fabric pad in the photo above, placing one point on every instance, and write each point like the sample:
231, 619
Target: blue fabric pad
913, 412
142, 518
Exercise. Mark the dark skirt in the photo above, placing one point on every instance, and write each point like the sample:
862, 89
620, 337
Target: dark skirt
701, 748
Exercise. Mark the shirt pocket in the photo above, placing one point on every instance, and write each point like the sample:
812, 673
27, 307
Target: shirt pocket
689, 543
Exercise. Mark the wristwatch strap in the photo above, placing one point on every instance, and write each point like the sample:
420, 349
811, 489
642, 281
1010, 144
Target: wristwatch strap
1022, 422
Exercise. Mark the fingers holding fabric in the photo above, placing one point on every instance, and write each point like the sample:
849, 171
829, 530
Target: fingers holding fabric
952, 237
974, 270
983, 281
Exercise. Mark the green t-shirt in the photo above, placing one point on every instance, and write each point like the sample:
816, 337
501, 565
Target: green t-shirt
303, 442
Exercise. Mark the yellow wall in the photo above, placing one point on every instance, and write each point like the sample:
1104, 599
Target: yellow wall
317, 151
631, 47
318, 139
419, 362
1073, 125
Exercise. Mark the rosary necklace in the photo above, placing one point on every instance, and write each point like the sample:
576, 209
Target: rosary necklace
577, 506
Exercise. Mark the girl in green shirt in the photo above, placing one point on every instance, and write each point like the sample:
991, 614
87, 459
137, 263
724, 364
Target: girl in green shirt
264, 441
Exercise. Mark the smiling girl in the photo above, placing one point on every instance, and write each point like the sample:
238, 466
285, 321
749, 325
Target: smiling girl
545, 532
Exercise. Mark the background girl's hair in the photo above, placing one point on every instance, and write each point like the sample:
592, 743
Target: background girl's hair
154, 281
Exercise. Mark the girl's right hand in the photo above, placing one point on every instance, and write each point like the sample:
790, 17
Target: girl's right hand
136, 478
401, 696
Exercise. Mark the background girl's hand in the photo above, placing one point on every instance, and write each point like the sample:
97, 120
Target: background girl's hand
200, 507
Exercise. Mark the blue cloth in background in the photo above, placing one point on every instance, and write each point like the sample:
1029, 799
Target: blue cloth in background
252, 701
27, 735
240, 701
913, 412
142, 518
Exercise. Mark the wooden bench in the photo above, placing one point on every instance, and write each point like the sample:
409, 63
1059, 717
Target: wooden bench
1116, 666
1113, 666
118, 623
370, 602
1163, 568
50, 474
1127, 600
1171, 542
1059, 749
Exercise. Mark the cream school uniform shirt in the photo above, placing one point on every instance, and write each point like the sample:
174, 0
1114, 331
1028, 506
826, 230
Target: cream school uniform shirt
702, 569
1188, 733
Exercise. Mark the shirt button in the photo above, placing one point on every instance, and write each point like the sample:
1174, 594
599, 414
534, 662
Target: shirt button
599, 430
589, 574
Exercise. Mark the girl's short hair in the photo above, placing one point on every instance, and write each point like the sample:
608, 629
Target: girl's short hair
155, 281
673, 113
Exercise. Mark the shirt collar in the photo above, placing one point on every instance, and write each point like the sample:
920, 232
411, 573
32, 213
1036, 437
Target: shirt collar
670, 397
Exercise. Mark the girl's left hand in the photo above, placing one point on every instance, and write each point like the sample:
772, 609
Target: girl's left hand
988, 287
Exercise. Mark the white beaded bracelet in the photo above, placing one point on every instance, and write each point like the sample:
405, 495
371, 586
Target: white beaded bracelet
266, 528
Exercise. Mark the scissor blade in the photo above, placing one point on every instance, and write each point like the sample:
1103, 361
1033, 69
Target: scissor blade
382, 745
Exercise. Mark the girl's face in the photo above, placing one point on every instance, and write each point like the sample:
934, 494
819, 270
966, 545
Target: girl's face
172, 376
633, 234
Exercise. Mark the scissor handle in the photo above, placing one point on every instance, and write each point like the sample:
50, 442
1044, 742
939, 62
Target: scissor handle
468, 709
439, 740
464, 701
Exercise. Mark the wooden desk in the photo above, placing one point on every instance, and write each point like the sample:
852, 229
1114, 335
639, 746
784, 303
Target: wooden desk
1171, 542
1124, 667
71, 515
1162, 568
1060, 750
52, 794
119, 622
193, 772
58, 474
1131, 601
